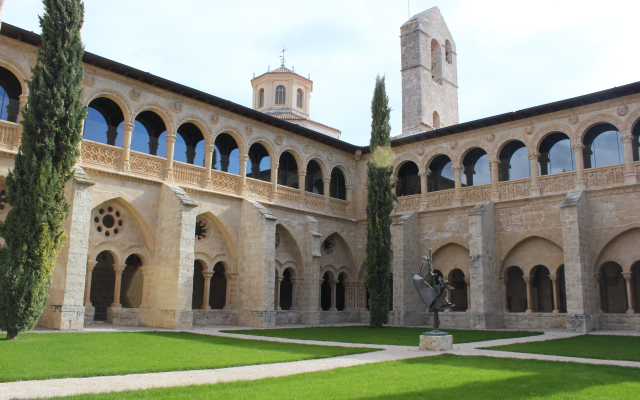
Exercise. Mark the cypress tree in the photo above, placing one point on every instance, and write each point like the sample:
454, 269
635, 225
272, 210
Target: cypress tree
51, 131
380, 199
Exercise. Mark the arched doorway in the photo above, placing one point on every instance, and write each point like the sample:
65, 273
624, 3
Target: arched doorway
541, 289
325, 292
458, 295
132, 281
197, 296
516, 296
286, 290
218, 291
341, 292
103, 282
613, 290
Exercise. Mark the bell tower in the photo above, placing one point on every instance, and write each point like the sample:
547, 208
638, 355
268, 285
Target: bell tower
429, 73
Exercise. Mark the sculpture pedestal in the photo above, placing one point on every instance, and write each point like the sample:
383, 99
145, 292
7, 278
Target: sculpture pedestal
436, 341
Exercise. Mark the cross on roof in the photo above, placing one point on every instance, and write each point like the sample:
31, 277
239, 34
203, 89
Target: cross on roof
282, 56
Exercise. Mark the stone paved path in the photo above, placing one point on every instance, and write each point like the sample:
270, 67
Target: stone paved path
72, 386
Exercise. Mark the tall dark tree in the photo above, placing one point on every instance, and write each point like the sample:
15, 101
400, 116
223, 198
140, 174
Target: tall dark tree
380, 199
51, 132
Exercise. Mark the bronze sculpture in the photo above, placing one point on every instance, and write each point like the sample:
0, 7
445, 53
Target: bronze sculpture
432, 289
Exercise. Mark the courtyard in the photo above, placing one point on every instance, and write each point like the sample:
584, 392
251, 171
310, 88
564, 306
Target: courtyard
110, 362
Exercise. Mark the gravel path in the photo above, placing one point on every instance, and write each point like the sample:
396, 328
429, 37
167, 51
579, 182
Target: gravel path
72, 386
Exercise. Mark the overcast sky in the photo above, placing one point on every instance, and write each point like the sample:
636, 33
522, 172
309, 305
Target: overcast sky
511, 54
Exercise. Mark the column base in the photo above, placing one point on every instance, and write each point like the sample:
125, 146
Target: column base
63, 317
631, 311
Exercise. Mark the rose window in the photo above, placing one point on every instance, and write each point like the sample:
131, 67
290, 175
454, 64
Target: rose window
108, 221
329, 245
202, 231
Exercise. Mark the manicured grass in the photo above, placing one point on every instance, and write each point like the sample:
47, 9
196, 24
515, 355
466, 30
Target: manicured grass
444, 377
58, 355
387, 335
586, 346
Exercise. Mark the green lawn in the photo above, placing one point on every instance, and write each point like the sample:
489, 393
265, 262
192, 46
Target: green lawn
586, 346
387, 335
444, 377
58, 355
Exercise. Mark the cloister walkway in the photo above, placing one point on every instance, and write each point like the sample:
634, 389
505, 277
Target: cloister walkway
101, 384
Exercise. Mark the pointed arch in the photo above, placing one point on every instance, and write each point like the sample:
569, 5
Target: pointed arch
451, 256
208, 215
545, 251
131, 210
623, 249
288, 237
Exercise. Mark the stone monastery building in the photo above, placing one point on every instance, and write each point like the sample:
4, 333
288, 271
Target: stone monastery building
188, 209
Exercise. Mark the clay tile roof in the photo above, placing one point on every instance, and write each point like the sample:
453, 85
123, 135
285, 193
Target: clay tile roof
282, 70
287, 116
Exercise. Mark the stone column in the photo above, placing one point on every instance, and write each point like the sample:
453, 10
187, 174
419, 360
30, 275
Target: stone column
302, 176
118, 269
423, 189
327, 187
578, 156
628, 279
505, 280
243, 174
87, 285
333, 283
596, 278
533, 162
527, 281
457, 193
277, 294
274, 180
207, 289
168, 170
230, 278
495, 191
556, 293
126, 146
208, 160
629, 170
405, 232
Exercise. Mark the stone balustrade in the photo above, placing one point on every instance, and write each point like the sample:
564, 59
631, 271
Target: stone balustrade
8, 133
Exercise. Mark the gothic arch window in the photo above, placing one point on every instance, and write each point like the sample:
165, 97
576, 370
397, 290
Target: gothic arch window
475, 168
299, 98
516, 295
436, 120
441, 175
280, 95
448, 52
408, 180
226, 155
514, 162
104, 122
10, 91
338, 188
436, 61
149, 134
288, 170
131, 289
636, 143
189, 146
556, 155
259, 163
613, 288
261, 98
313, 181
602, 146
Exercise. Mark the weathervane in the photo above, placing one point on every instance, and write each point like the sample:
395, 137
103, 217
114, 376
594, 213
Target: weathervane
282, 56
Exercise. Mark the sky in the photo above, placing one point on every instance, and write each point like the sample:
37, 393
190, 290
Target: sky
511, 54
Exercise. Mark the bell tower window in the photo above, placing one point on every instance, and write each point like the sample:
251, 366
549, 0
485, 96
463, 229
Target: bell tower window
261, 98
280, 95
299, 98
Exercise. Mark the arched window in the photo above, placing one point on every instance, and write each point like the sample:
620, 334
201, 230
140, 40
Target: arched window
131, 288
613, 288
280, 94
299, 98
313, 181
408, 180
516, 290
514, 162
341, 292
104, 122
286, 290
259, 163
288, 170
436, 120
459, 292
189, 146
541, 289
325, 292
441, 175
149, 134
226, 155
197, 296
10, 91
475, 168
436, 61
636, 142
261, 98
338, 188
448, 52
602, 146
556, 155
103, 282
218, 290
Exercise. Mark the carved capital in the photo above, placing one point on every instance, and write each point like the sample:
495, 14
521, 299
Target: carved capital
171, 138
243, 157
326, 180
128, 126
626, 139
627, 275
91, 265
456, 167
302, 172
577, 147
533, 155
119, 268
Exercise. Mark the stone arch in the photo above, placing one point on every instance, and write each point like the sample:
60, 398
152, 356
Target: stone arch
343, 169
623, 249
405, 158
613, 288
224, 260
451, 256
533, 251
138, 250
295, 152
132, 282
331, 270
198, 122
162, 112
465, 148
342, 245
589, 123
321, 164
116, 97
499, 144
112, 248
459, 296
630, 121
285, 231
542, 293
430, 156
235, 134
103, 283
516, 290
267, 145
545, 131
211, 217
18, 71
133, 212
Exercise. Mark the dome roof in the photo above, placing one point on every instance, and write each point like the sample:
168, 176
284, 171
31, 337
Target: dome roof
282, 70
